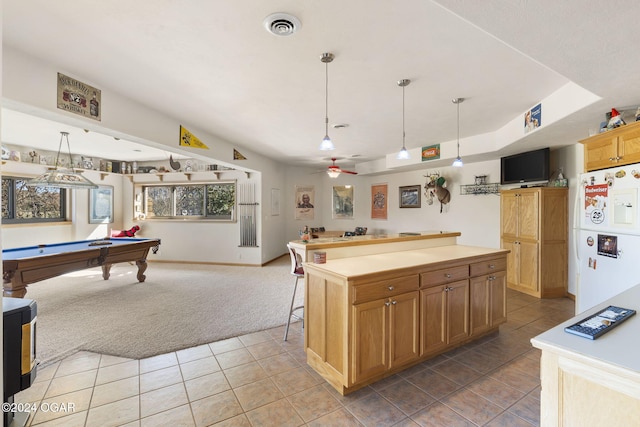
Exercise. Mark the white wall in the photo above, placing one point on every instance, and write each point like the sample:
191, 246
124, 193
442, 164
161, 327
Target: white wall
477, 217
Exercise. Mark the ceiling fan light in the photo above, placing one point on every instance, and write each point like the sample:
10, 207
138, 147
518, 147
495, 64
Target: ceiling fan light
327, 144
403, 154
333, 174
457, 162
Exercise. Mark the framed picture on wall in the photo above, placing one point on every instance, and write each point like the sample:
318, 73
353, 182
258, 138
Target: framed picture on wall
101, 205
379, 201
410, 196
305, 200
342, 199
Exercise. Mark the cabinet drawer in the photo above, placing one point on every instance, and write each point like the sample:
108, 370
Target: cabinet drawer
385, 288
489, 266
446, 275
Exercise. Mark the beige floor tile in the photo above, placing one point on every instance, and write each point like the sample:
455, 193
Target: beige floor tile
433, 383
77, 419
207, 385
79, 362
114, 414
117, 372
496, 391
255, 338
277, 364
279, 413
194, 353
199, 367
32, 394
70, 383
244, 374
456, 372
265, 349
77, 401
256, 394
374, 410
160, 378
46, 373
224, 346
507, 419
341, 417
176, 417
294, 381
234, 358
237, 421
406, 397
115, 390
158, 362
471, 406
314, 403
162, 399
216, 408
107, 360
439, 415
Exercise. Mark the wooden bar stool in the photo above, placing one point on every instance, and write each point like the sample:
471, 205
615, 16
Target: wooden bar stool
298, 272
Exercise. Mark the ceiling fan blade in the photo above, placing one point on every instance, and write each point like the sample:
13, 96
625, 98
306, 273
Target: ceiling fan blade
349, 172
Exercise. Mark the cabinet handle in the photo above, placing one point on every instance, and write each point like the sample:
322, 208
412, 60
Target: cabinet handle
491, 266
618, 158
611, 159
448, 276
390, 288
491, 277
387, 303
394, 302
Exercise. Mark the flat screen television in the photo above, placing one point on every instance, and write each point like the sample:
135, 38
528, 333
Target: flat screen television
532, 166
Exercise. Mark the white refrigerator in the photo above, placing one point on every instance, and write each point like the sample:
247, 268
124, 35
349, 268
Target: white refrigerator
607, 234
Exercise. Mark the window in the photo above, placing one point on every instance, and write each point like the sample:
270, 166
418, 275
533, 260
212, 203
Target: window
214, 201
22, 204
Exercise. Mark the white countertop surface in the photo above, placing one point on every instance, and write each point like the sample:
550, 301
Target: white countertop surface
371, 264
620, 346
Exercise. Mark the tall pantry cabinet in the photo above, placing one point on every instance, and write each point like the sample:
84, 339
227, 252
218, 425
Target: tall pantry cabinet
534, 227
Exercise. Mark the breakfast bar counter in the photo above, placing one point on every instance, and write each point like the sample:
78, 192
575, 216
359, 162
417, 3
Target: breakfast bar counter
370, 316
342, 247
592, 382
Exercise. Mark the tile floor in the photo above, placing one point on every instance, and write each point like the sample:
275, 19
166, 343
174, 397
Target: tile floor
259, 380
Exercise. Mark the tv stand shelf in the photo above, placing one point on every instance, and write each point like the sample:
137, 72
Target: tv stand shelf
480, 189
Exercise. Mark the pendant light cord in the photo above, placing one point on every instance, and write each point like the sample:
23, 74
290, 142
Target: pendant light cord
326, 99
458, 105
403, 134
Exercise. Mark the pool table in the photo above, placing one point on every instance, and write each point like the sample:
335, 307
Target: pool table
22, 266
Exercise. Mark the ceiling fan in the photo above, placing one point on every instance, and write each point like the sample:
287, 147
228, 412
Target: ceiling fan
334, 170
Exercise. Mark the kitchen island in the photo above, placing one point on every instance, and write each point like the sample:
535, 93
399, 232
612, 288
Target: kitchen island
370, 316
342, 247
592, 382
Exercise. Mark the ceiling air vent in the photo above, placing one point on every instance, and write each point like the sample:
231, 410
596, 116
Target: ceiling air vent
282, 24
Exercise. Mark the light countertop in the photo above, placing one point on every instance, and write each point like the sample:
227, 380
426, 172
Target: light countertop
619, 347
372, 264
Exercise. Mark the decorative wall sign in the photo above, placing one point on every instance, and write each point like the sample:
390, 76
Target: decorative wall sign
431, 152
79, 98
342, 199
379, 200
187, 139
305, 199
533, 118
101, 205
410, 196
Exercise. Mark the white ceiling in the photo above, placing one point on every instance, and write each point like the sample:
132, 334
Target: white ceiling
213, 64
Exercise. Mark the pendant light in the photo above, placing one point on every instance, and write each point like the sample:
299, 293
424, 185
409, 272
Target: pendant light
62, 178
458, 161
403, 154
326, 144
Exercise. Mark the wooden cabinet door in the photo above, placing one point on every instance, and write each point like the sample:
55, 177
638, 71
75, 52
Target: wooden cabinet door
629, 147
433, 305
457, 311
404, 334
527, 266
513, 270
488, 301
369, 340
509, 214
601, 153
528, 215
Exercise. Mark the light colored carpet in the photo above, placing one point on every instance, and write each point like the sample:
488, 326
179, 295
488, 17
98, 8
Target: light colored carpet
178, 306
